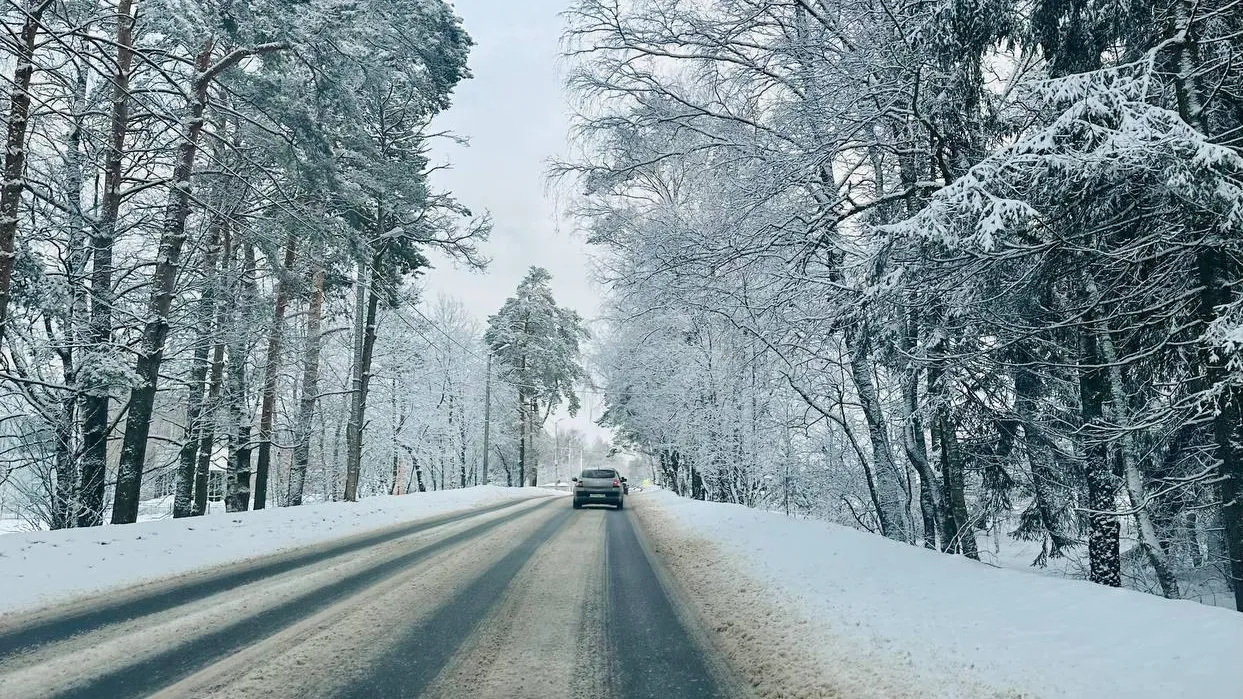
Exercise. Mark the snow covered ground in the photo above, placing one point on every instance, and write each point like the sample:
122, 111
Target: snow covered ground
44, 567
807, 608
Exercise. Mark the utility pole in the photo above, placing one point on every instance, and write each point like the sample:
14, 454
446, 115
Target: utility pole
487, 414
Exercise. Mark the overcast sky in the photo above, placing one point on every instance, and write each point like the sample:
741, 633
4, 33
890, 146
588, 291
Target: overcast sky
514, 114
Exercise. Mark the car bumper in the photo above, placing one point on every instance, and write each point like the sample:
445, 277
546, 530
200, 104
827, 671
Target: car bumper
590, 496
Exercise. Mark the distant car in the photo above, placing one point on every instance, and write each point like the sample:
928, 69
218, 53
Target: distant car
599, 485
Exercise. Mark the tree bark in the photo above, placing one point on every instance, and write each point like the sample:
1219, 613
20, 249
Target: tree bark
1119, 416
237, 479
168, 263
362, 382
533, 425
1038, 449
461, 444
95, 402
151, 348
310, 390
1104, 560
187, 460
207, 435
487, 415
15, 150
417, 467
267, 410
889, 487
522, 437
398, 419
1216, 273
65, 506
959, 535
913, 436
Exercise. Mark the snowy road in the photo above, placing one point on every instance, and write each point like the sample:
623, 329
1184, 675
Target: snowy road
518, 600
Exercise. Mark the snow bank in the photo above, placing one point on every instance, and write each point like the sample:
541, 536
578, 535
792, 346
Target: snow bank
43, 567
879, 618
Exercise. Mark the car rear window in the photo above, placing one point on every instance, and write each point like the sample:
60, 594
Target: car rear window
599, 473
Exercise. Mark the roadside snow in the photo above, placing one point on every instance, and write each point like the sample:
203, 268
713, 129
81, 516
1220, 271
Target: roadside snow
876, 618
44, 567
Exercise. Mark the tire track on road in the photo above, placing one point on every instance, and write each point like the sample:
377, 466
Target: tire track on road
24, 632
155, 670
324, 654
655, 653
409, 666
544, 638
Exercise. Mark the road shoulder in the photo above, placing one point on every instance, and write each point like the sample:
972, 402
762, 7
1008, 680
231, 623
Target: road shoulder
772, 649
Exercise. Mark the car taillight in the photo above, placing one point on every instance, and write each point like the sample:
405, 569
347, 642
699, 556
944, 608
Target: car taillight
616, 483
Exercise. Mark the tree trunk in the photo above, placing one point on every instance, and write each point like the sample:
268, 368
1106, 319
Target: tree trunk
917, 455
487, 416
207, 434
890, 491
397, 421
237, 480
913, 436
1119, 416
15, 151
187, 458
63, 503
1104, 561
1193, 539
533, 425
959, 534
267, 409
699, 490
331, 483
417, 467
310, 390
461, 443
184, 504
1216, 272
362, 380
151, 348
522, 437
1039, 450
65, 506
95, 402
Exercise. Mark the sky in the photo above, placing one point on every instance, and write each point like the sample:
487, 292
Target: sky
514, 114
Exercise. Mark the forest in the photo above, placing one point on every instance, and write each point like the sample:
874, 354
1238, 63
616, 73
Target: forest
215, 216
964, 273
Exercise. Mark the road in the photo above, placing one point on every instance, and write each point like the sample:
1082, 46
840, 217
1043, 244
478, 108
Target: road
520, 600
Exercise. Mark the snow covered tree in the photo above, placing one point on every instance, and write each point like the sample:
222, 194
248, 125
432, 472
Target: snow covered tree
536, 345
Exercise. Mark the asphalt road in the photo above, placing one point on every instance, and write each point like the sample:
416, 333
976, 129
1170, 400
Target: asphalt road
526, 600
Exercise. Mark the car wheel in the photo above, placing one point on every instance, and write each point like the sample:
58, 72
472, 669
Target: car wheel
620, 504
578, 505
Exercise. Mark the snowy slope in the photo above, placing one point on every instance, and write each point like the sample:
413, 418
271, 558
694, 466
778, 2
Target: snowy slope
43, 567
882, 619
